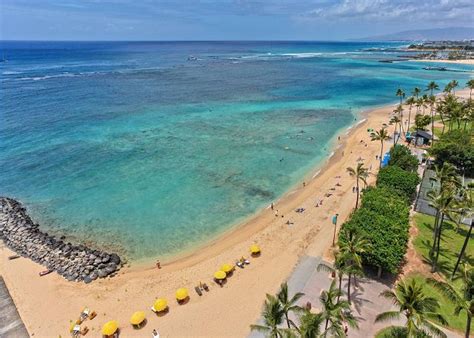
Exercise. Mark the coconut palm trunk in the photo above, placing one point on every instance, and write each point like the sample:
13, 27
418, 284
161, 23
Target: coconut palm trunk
463, 249
381, 153
440, 231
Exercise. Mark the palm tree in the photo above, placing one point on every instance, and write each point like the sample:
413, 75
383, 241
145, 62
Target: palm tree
410, 102
470, 85
380, 135
288, 304
416, 92
463, 249
360, 173
448, 88
447, 177
351, 247
431, 101
418, 309
400, 93
454, 84
335, 312
419, 103
339, 268
424, 102
273, 315
463, 299
441, 201
395, 120
432, 86
310, 324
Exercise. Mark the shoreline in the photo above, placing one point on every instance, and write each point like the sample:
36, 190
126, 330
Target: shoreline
232, 230
238, 303
459, 62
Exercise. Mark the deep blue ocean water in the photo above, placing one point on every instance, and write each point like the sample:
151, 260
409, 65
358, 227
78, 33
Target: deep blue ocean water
155, 147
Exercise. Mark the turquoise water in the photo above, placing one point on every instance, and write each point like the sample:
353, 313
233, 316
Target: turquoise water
134, 146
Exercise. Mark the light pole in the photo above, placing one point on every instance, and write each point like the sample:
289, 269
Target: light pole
334, 221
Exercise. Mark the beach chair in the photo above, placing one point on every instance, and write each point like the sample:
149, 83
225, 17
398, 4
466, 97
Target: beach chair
76, 331
85, 314
239, 264
198, 290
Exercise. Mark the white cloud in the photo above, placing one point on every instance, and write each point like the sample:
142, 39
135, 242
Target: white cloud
406, 10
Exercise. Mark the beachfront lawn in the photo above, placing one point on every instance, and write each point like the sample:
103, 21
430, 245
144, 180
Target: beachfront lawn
451, 244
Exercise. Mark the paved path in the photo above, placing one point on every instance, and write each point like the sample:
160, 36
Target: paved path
11, 325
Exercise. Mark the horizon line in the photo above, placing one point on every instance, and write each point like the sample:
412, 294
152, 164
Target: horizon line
215, 40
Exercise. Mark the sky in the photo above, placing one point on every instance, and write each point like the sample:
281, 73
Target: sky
224, 19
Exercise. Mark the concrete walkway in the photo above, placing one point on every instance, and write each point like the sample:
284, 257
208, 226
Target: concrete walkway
11, 325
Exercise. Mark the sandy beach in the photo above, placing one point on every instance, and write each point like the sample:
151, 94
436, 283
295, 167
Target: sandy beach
47, 304
459, 62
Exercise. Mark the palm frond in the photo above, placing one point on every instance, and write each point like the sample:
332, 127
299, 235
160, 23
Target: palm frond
386, 316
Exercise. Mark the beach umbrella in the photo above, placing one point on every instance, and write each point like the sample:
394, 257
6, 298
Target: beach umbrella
182, 294
255, 249
137, 318
109, 328
227, 268
220, 275
160, 305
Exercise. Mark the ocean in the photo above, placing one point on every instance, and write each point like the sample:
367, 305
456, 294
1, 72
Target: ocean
154, 148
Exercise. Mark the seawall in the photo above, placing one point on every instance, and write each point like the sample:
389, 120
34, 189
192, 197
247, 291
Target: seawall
73, 262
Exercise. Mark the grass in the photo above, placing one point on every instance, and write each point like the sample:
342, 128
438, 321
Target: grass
451, 243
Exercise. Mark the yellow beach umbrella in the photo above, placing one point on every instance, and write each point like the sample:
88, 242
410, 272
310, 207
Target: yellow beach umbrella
109, 328
255, 249
137, 318
160, 305
182, 294
227, 268
220, 275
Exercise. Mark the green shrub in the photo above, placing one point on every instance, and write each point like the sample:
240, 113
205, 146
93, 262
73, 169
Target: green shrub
385, 202
457, 148
401, 156
387, 235
399, 180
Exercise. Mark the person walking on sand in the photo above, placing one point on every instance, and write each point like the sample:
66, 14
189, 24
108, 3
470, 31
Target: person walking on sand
158, 265
271, 205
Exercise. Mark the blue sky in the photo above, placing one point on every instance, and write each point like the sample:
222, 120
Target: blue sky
224, 19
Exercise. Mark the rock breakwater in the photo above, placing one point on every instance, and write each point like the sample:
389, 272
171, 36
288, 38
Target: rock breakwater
73, 262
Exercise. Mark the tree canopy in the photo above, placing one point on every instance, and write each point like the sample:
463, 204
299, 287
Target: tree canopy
455, 147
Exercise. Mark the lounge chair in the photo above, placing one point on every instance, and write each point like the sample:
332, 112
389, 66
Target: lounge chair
198, 290
85, 314
76, 331
239, 264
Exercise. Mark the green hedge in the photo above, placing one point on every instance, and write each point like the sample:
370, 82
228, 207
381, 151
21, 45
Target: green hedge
383, 217
399, 180
383, 220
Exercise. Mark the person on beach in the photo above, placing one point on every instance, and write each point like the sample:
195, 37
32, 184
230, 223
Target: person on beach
271, 205
158, 265
276, 213
304, 184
